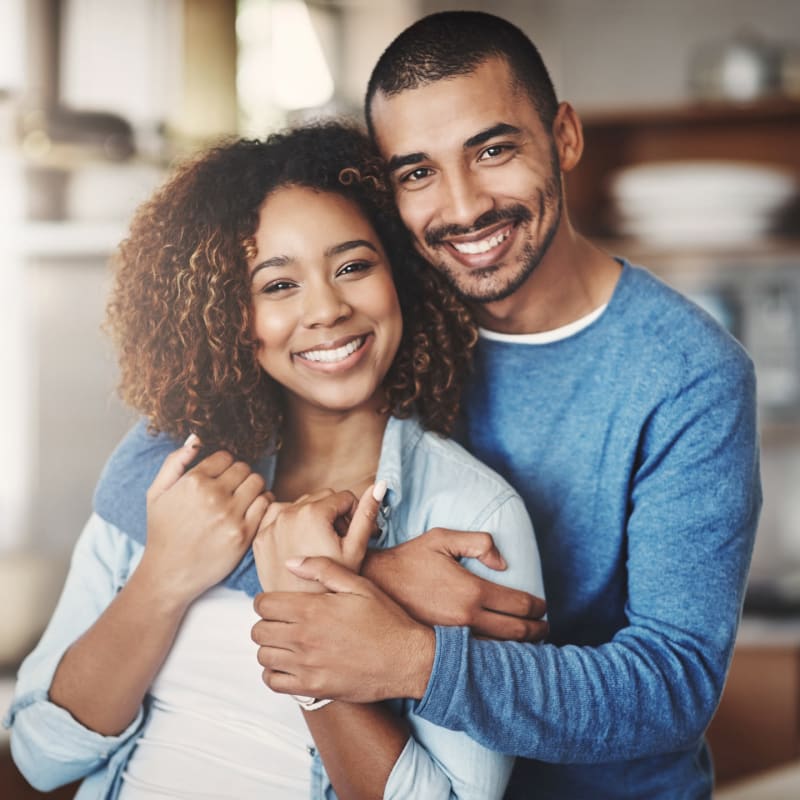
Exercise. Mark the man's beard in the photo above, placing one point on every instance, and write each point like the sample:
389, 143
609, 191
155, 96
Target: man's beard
550, 199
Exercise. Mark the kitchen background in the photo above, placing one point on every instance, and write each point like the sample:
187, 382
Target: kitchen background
692, 166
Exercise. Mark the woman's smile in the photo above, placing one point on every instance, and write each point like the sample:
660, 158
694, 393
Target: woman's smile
336, 356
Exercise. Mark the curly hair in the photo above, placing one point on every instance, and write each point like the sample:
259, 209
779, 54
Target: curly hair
180, 310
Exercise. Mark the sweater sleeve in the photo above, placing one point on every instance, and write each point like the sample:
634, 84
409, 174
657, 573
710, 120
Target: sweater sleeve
693, 510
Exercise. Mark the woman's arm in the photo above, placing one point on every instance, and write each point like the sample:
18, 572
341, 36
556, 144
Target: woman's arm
367, 750
199, 526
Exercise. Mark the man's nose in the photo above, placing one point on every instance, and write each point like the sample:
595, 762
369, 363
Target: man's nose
324, 305
465, 199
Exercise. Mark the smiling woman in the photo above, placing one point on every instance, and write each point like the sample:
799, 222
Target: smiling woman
267, 301
325, 310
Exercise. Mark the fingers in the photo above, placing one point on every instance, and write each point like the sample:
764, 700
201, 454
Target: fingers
257, 510
363, 524
511, 602
284, 607
464, 544
175, 465
247, 492
491, 625
334, 577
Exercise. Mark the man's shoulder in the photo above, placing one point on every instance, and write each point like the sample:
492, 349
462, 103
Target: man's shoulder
121, 491
668, 326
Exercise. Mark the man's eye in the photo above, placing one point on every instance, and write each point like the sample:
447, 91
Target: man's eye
493, 151
417, 175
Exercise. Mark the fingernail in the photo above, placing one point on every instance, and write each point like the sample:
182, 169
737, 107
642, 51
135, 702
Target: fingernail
378, 491
192, 441
294, 562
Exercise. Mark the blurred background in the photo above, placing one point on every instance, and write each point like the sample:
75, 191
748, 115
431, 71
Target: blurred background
692, 166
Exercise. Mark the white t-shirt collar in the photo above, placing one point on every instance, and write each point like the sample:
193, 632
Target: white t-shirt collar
545, 337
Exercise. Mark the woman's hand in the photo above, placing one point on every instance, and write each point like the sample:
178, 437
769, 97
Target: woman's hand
327, 523
200, 522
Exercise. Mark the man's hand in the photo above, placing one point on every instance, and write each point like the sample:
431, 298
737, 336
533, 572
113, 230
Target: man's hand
352, 643
423, 575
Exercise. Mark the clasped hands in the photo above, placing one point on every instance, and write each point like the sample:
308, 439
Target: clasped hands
325, 630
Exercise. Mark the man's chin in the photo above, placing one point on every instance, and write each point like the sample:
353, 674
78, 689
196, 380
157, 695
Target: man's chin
484, 285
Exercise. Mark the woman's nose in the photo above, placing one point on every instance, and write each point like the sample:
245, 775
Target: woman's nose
324, 306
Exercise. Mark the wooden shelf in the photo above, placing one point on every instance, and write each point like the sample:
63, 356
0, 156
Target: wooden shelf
765, 133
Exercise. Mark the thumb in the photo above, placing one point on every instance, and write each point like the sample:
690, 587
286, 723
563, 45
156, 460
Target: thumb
334, 577
175, 465
363, 524
467, 544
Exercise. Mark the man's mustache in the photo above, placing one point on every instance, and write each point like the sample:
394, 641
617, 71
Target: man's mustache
515, 213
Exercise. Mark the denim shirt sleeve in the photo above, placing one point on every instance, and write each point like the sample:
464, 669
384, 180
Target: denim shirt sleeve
441, 763
49, 746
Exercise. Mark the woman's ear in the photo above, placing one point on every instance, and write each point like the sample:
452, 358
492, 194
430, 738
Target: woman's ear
568, 137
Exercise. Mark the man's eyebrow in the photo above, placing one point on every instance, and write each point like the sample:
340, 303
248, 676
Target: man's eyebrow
501, 129
336, 249
396, 162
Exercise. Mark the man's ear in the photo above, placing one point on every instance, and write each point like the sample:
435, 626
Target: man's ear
568, 137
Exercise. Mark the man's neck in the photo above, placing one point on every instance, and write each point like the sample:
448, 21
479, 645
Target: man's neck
572, 280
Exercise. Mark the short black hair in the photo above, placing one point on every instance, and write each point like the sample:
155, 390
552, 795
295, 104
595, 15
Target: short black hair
456, 43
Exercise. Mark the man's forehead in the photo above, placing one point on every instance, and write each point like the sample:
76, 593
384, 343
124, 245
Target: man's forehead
446, 113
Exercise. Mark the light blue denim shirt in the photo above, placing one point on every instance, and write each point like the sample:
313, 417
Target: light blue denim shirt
432, 482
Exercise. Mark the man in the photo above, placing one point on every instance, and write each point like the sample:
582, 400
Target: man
623, 415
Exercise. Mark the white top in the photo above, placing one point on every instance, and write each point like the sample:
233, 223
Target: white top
545, 337
215, 730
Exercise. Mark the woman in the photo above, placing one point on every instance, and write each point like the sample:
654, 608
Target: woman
255, 306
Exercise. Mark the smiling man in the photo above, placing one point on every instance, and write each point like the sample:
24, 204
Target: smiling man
624, 416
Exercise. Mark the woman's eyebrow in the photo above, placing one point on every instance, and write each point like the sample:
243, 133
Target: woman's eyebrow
337, 249
275, 261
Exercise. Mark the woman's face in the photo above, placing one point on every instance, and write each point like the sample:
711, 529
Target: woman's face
325, 309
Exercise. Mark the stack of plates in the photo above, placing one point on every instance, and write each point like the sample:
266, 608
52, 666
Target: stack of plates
700, 202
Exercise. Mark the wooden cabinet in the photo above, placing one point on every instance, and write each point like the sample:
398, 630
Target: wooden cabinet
757, 725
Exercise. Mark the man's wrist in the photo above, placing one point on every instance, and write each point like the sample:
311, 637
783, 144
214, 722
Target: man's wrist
421, 654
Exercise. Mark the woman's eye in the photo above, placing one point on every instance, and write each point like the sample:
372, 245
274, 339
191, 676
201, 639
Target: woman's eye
354, 267
277, 286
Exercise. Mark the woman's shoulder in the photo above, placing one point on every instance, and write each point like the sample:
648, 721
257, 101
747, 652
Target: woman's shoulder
453, 487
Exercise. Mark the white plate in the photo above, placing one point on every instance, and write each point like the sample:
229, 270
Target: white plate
696, 182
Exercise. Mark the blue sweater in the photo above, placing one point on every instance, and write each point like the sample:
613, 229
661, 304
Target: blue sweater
634, 446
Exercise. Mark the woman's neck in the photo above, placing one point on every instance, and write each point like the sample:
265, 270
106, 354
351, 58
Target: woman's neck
328, 451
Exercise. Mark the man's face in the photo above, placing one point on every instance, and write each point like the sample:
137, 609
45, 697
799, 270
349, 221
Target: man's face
476, 178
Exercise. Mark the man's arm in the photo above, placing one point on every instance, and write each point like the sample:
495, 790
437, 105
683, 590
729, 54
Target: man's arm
695, 507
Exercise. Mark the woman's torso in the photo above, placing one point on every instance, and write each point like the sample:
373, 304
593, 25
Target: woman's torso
214, 729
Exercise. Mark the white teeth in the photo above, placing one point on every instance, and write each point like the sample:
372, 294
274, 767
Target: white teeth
330, 356
482, 246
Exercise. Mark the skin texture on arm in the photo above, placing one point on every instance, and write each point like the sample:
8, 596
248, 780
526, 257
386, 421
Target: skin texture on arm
287, 532
199, 525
